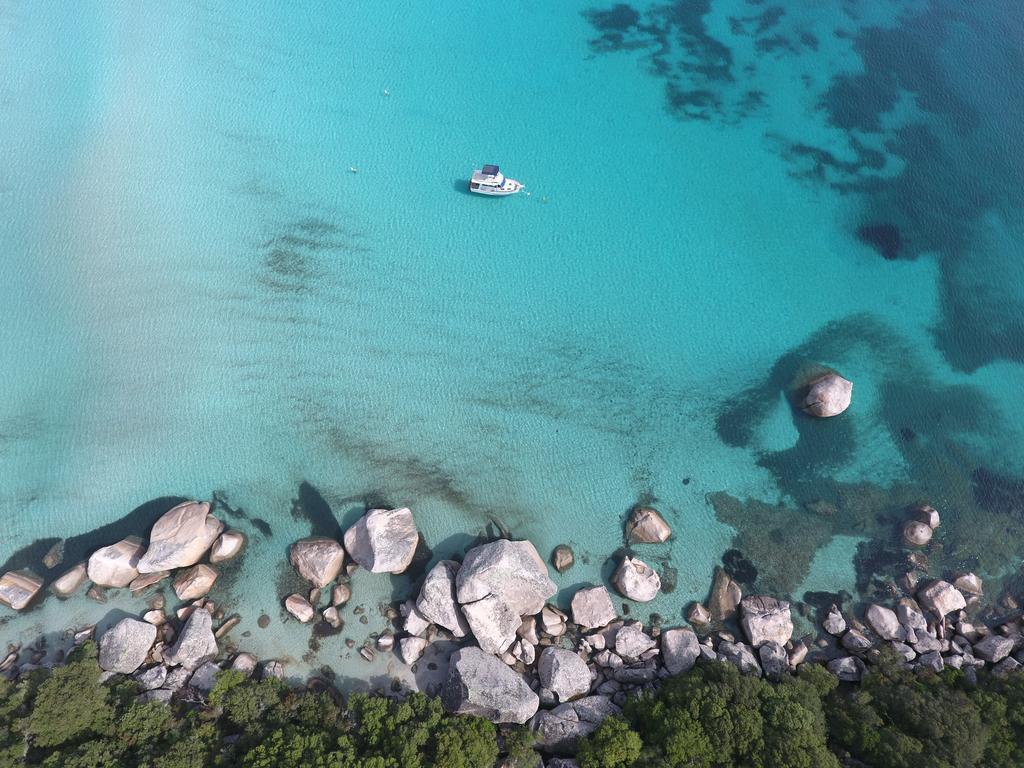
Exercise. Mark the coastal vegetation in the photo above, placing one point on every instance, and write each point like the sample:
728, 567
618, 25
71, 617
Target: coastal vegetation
712, 716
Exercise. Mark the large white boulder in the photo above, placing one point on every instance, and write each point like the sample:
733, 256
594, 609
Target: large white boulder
679, 649
481, 684
884, 622
941, 598
383, 540
125, 646
180, 537
765, 618
592, 608
828, 395
512, 571
636, 580
563, 673
196, 643
117, 565
17, 588
317, 559
494, 623
436, 602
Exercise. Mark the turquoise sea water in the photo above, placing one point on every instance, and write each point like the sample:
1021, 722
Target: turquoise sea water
198, 296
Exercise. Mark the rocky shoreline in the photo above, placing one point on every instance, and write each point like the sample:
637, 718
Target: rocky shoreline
518, 658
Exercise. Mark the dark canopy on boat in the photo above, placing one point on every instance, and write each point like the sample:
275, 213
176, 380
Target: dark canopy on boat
490, 170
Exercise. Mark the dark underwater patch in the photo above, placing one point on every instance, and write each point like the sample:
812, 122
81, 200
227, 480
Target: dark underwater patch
884, 238
310, 505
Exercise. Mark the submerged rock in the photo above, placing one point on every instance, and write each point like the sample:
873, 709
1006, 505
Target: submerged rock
829, 395
180, 537
636, 580
117, 565
481, 684
17, 588
125, 646
317, 559
383, 540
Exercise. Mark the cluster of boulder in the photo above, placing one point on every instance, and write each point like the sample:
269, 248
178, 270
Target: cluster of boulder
178, 542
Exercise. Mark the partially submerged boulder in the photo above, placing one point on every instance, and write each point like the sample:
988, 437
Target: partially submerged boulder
125, 646
725, 596
436, 602
481, 684
299, 607
70, 581
647, 526
562, 558
766, 619
916, 533
941, 598
317, 559
195, 581
636, 580
383, 540
117, 565
828, 395
228, 545
180, 537
17, 588
592, 608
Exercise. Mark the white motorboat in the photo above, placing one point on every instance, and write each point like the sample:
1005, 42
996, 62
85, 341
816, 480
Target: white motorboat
489, 180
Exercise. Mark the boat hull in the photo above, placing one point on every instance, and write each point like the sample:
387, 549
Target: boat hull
511, 187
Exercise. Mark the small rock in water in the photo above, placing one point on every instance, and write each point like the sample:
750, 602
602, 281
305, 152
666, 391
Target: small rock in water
562, 558
263, 621
828, 396
55, 555
916, 533
647, 526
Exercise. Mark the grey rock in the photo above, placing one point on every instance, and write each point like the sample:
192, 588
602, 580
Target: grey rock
18, 588
151, 678
636, 580
928, 515
916, 533
383, 540
925, 643
317, 559
562, 558
228, 546
559, 762
774, 659
1006, 666
195, 582
299, 607
512, 571
196, 644
480, 684
125, 646
70, 581
884, 622
494, 623
564, 673
904, 650
993, 648
834, 622
941, 598
969, 584
245, 663
272, 668
204, 677
559, 729
828, 395
411, 649
698, 615
933, 661
847, 668
592, 608
855, 641
909, 614
679, 649
742, 655
177, 678
162, 695
180, 537
631, 642
635, 676
436, 601
766, 619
